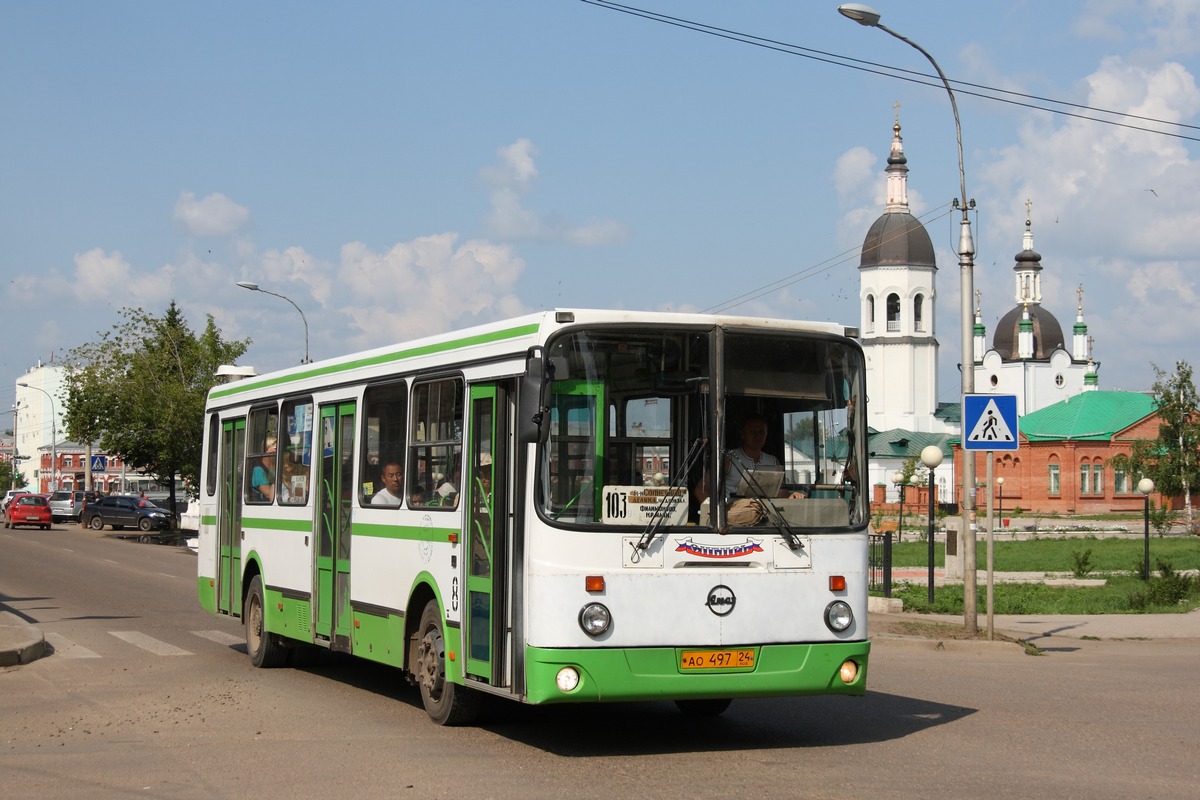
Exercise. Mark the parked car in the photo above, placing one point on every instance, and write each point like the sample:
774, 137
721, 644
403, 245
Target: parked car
69, 504
9, 494
28, 509
125, 512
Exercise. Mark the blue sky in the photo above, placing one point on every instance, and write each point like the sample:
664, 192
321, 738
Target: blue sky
399, 169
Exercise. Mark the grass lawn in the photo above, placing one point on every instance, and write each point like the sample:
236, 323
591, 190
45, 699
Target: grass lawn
1117, 560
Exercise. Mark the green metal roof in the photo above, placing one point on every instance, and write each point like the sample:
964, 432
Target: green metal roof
1088, 416
900, 443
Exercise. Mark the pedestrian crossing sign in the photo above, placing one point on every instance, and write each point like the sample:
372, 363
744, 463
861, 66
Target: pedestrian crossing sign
989, 422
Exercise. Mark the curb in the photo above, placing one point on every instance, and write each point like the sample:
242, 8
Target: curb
20, 645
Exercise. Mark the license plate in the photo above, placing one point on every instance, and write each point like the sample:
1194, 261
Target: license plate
32, 518
739, 658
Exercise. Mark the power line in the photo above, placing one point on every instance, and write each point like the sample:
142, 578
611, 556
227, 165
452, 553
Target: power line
899, 73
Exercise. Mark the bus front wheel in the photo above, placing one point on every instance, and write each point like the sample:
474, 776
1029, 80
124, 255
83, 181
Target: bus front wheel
445, 702
261, 646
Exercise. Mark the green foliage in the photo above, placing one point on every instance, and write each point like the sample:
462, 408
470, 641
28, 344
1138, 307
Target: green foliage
1120, 595
7, 473
1162, 518
1082, 563
1043, 554
1168, 588
140, 389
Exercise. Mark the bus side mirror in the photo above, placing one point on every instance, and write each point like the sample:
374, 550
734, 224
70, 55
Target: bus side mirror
533, 417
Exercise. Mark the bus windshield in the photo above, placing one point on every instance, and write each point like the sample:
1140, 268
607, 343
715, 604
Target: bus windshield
647, 428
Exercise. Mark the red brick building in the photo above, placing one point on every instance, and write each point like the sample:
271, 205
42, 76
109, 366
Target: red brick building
1062, 464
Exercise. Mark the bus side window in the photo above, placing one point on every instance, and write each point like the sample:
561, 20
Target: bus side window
385, 420
296, 453
433, 478
261, 455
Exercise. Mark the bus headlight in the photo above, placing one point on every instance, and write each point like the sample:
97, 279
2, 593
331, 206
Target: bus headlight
594, 618
567, 679
838, 616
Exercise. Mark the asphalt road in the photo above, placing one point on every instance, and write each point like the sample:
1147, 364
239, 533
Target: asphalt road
147, 695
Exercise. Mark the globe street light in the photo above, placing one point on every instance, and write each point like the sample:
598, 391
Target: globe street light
865, 15
898, 479
931, 456
52, 485
1146, 486
254, 287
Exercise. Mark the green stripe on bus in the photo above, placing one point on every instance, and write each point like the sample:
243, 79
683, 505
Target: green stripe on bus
384, 358
304, 525
416, 533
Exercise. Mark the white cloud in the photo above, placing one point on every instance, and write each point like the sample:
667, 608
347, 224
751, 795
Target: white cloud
512, 179
215, 215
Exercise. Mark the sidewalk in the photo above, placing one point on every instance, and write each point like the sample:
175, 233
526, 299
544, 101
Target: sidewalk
20, 644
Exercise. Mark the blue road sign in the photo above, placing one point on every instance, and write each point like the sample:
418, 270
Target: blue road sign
99, 463
989, 422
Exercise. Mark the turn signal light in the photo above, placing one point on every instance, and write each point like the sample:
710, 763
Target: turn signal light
594, 583
837, 583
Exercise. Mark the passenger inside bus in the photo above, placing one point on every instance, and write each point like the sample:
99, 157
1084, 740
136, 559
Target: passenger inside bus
392, 492
262, 478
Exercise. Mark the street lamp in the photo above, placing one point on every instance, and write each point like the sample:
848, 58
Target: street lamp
898, 479
53, 484
254, 287
1000, 486
865, 15
1146, 486
931, 456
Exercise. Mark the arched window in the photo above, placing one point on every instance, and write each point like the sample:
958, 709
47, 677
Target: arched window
870, 315
1055, 485
893, 312
919, 312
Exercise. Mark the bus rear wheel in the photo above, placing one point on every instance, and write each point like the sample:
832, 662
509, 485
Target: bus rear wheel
261, 646
445, 702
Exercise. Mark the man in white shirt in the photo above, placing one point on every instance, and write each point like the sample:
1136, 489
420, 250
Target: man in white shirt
393, 486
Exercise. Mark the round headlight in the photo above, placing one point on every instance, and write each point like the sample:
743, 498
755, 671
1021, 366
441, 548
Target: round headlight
567, 679
594, 618
838, 616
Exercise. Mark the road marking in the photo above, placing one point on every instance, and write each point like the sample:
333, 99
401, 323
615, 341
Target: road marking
220, 637
66, 648
149, 643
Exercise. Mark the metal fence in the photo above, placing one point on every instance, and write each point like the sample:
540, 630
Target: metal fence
879, 563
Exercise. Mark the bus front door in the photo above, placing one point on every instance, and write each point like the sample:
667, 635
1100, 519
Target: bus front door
229, 518
485, 518
331, 586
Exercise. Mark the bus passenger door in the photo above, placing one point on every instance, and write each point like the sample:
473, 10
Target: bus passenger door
331, 587
229, 517
485, 520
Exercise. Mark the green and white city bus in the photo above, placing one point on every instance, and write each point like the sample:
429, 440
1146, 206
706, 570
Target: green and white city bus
514, 510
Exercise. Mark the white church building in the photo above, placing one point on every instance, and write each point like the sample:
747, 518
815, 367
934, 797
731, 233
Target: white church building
1028, 356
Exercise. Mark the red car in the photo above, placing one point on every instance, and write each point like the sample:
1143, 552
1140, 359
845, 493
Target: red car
28, 509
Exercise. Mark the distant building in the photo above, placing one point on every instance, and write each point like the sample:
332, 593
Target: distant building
1062, 465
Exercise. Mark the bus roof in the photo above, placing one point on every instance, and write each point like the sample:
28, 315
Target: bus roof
509, 338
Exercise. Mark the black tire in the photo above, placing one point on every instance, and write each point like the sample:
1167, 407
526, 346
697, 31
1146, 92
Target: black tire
144, 524
710, 707
45, 527
96, 523
261, 645
445, 702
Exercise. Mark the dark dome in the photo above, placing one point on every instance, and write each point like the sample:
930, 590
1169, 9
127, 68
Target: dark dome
897, 238
1047, 333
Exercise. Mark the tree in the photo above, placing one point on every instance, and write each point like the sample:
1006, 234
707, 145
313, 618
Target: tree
140, 389
1172, 460
10, 476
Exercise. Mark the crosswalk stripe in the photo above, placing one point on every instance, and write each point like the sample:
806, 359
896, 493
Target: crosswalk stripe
220, 637
149, 643
65, 648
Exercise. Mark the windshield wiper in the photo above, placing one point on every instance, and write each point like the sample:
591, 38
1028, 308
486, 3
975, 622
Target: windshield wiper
769, 509
660, 512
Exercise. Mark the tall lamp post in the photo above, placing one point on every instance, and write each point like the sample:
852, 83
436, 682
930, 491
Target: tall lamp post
898, 479
865, 15
1146, 486
931, 456
52, 485
254, 287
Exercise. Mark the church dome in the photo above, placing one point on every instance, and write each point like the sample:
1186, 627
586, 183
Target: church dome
897, 239
1047, 333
